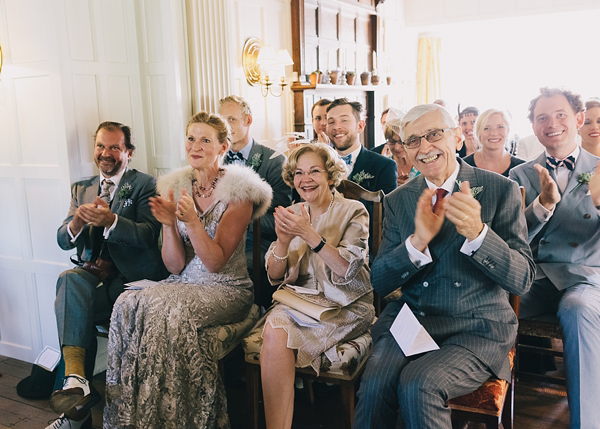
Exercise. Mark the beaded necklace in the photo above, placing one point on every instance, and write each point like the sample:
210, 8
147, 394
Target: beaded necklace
206, 192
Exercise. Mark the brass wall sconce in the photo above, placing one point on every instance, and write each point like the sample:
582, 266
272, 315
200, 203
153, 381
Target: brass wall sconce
259, 60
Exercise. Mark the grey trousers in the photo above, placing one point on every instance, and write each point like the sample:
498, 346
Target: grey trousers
578, 311
417, 387
81, 303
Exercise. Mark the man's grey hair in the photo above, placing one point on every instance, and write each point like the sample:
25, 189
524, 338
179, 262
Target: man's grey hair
422, 109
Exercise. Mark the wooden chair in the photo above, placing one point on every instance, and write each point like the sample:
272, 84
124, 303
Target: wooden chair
494, 402
353, 191
353, 354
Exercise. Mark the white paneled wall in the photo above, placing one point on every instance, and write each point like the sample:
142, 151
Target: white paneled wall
33, 174
269, 20
164, 72
71, 64
432, 12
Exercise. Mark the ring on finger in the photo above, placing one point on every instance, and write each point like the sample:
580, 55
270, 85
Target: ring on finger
465, 218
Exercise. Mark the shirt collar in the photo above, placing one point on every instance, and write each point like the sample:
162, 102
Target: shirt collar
354, 154
116, 179
245, 151
448, 185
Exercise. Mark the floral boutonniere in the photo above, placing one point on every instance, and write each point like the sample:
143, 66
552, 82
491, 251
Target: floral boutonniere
125, 193
359, 177
474, 191
583, 179
255, 161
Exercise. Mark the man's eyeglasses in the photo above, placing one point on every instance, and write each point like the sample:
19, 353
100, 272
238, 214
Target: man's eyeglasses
432, 136
311, 173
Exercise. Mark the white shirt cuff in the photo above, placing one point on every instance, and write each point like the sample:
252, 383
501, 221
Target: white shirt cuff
107, 231
73, 237
541, 212
472, 247
417, 258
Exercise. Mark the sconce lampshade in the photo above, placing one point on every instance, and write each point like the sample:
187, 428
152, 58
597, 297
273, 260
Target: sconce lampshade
283, 58
266, 56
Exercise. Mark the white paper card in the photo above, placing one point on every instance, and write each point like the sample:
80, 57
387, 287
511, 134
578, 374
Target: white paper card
301, 318
48, 358
410, 335
304, 290
139, 285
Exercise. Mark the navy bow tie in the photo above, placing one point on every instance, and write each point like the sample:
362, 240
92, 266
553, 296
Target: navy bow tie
347, 159
233, 157
553, 163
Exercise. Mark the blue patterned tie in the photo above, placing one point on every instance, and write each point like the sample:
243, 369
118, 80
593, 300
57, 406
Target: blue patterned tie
553, 163
347, 159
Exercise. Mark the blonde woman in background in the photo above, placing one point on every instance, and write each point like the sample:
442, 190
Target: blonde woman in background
492, 128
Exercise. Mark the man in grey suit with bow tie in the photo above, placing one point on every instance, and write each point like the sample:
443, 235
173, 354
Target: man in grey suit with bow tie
268, 164
454, 242
111, 225
562, 188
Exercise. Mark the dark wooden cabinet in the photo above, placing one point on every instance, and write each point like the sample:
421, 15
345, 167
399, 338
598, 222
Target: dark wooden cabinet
334, 34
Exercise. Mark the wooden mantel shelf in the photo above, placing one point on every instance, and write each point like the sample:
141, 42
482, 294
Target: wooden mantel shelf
296, 86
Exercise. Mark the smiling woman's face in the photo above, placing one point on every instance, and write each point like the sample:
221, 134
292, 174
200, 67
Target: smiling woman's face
202, 146
494, 132
590, 130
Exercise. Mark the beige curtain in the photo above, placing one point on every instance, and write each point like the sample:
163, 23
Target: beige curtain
428, 69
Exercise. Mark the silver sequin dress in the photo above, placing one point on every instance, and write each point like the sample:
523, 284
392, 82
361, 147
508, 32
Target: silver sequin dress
162, 364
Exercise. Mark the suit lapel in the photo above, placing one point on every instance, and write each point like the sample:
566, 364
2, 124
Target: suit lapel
92, 191
533, 175
448, 234
363, 163
256, 151
570, 198
116, 204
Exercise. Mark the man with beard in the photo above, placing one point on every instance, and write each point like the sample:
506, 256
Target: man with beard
366, 168
116, 236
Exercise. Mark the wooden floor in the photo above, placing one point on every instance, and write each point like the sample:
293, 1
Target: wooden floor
536, 407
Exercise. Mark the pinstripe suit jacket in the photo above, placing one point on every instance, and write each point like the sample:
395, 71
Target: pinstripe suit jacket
569, 253
461, 299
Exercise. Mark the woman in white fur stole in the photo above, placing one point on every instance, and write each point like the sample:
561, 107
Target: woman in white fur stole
162, 364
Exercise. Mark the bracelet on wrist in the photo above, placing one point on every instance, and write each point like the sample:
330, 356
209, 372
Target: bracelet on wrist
280, 258
319, 246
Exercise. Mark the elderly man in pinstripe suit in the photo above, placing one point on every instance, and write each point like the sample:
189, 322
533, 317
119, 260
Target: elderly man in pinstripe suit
454, 242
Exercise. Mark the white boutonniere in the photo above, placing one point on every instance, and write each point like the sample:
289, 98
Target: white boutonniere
126, 191
583, 179
474, 191
359, 177
255, 161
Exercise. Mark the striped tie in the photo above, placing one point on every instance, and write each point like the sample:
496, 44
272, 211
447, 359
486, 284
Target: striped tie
106, 190
553, 163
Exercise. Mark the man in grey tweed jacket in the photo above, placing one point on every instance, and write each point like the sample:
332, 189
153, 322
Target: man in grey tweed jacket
455, 260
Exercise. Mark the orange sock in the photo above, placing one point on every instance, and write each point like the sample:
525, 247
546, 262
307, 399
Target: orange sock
74, 360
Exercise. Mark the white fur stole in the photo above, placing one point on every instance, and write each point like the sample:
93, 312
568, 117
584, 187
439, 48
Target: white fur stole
239, 183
